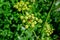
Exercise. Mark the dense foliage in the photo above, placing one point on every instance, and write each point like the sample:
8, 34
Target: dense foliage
29, 19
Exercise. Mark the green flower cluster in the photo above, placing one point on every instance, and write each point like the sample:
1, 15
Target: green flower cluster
48, 29
29, 20
22, 6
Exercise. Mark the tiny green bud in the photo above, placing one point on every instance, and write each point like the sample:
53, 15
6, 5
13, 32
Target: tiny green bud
21, 17
33, 17
27, 13
26, 26
36, 19
16, 6
29, 16
19, 9
27, 2
24, 21
35, 22
29, 6
32, 25
40, 21
26, 17
23, 8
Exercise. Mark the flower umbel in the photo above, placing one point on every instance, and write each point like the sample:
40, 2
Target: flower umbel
29, 20
22, 6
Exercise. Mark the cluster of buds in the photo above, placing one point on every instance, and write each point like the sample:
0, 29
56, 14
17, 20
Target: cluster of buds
29, 20
22, 6
32, 0
48, 29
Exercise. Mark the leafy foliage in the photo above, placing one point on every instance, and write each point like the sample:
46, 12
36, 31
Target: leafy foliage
29, 20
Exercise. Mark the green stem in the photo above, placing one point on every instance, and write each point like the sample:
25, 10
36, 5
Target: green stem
48, 16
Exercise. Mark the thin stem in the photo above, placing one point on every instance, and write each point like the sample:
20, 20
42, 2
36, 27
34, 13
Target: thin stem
37, 37
40, 10
50, 11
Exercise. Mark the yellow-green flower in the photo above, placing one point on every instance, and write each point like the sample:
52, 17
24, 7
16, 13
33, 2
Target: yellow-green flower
29, 6
25, 5
30, 19
36, 19
22, 5
29, 22
15, 6
35, 22
32, 25
40, 21
24, 21
27, 2
23, 8
19, 9
29, 16
22, 2
18, 3
26, 17
26, 26
32, 15
48, 29
21, 17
